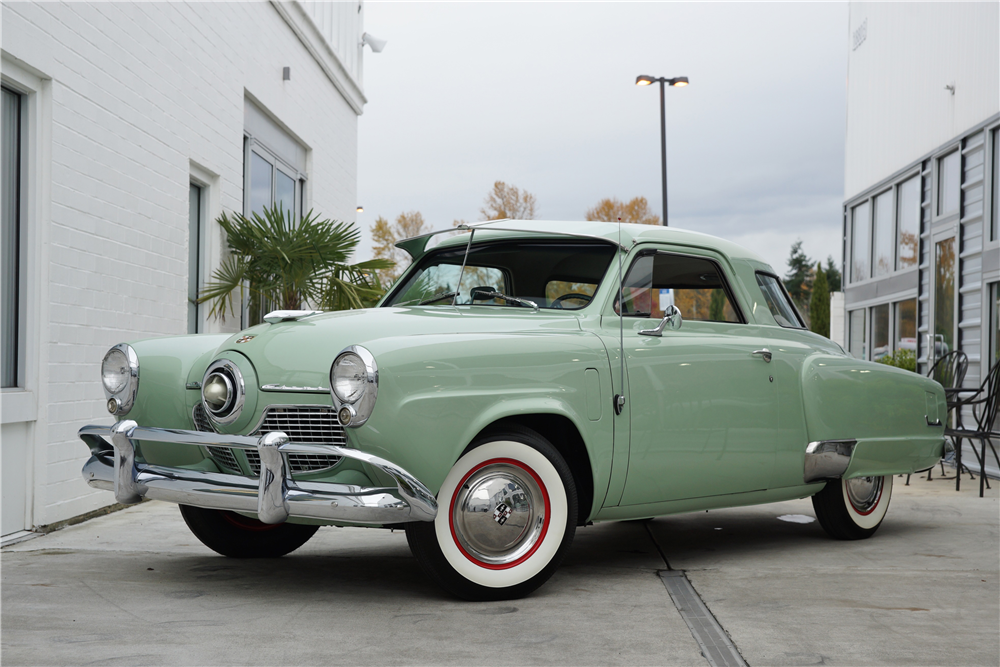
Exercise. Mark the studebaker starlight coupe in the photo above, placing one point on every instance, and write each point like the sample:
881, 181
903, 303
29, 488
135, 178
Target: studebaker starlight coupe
519, 380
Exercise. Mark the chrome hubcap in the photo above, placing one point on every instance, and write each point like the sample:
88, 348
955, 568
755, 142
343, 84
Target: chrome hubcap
864, 492
498, 514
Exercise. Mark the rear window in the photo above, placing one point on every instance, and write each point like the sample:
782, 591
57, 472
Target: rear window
778, 301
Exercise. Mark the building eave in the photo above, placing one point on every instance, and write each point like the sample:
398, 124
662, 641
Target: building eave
307, 32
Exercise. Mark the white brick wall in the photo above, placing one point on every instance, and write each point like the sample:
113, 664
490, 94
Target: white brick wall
138, 92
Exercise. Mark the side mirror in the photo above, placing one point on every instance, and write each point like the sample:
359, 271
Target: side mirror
671, 318
482, 293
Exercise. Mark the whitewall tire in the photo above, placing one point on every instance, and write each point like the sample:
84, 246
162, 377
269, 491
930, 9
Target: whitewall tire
853, 509
507, 514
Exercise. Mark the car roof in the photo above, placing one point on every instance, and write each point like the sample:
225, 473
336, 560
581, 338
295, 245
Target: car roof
628, 233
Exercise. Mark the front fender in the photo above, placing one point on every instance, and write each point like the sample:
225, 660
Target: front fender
437, 393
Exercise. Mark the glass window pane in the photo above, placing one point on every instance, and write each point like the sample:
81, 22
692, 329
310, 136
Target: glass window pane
948, 183
10, 245
944, 297
880, 331
906, 325
996, 185
860, 242
778, 302
194, 255
691, 284
995, 321
260, 183
908, 214
856, 339
883, 233
284, 195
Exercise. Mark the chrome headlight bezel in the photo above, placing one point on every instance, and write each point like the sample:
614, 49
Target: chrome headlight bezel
235, 400
124, 399
363, 405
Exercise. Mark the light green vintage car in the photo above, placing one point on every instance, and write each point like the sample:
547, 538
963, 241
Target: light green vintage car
486, 405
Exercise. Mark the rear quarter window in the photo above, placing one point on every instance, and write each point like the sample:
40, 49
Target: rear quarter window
778, 301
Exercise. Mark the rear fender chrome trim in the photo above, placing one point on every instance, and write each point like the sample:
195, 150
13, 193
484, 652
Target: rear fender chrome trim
827, 459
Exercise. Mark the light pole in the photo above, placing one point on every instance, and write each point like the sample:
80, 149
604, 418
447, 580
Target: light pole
679, 81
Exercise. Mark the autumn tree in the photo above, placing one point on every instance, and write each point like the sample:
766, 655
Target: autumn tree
636, 210
508, 201
385, 235
819, 304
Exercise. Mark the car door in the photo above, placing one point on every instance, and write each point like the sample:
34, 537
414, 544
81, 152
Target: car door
701, 398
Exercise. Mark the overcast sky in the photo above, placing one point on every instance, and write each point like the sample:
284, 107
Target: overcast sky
543, 96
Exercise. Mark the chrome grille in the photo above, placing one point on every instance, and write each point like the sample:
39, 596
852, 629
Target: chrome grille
201, 422
222, 455
305, 424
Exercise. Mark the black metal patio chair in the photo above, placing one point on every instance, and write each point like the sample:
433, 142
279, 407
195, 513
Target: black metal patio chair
984, 408
949, 370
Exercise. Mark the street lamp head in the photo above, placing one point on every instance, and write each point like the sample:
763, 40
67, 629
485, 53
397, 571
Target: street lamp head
644, 80
679, 81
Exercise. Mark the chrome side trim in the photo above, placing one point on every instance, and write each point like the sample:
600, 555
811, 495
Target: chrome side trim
270, 498
299, 390
276, 316
827, 459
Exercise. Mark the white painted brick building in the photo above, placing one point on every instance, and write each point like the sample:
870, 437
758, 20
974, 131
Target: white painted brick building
128, 128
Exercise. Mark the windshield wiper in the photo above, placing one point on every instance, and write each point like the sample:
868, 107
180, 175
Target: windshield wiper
436, 297
511, 299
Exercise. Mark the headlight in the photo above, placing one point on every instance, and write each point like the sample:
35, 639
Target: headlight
120, 377
349, 377
354, 384
114, 371
223, 391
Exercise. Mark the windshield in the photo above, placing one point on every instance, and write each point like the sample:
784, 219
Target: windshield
556, 274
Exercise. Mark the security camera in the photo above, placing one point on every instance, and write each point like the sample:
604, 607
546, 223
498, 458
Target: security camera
374, 42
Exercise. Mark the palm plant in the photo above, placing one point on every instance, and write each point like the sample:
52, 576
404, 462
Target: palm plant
279, 264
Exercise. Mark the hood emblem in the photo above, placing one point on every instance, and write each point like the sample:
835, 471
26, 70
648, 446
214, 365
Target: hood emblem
244, 339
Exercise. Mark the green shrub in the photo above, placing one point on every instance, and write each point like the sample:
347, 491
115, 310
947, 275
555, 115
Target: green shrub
904, 359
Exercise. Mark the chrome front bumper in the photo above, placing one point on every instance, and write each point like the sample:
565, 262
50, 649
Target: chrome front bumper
274, 498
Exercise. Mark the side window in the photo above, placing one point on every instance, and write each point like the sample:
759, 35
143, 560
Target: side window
778, 302
693, 284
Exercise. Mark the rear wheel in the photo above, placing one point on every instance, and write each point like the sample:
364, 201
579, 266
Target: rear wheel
507, 515
237, 536
853, 509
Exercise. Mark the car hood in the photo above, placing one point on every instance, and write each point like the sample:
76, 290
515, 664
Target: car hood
299, 353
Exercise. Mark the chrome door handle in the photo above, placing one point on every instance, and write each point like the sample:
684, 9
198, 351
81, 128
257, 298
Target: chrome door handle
936, 422
765, 354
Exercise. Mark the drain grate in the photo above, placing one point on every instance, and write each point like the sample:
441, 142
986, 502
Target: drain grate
715, 644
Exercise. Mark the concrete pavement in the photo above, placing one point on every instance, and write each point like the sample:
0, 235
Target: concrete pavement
135, 587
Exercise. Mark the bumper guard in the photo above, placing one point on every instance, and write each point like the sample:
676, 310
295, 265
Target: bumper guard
275, 498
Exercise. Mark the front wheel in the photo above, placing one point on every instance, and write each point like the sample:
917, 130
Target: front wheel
853, 509
507, 515
237, 536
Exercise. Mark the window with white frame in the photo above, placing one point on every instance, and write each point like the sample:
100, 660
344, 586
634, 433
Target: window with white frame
195, 264
274, 165
11, 296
